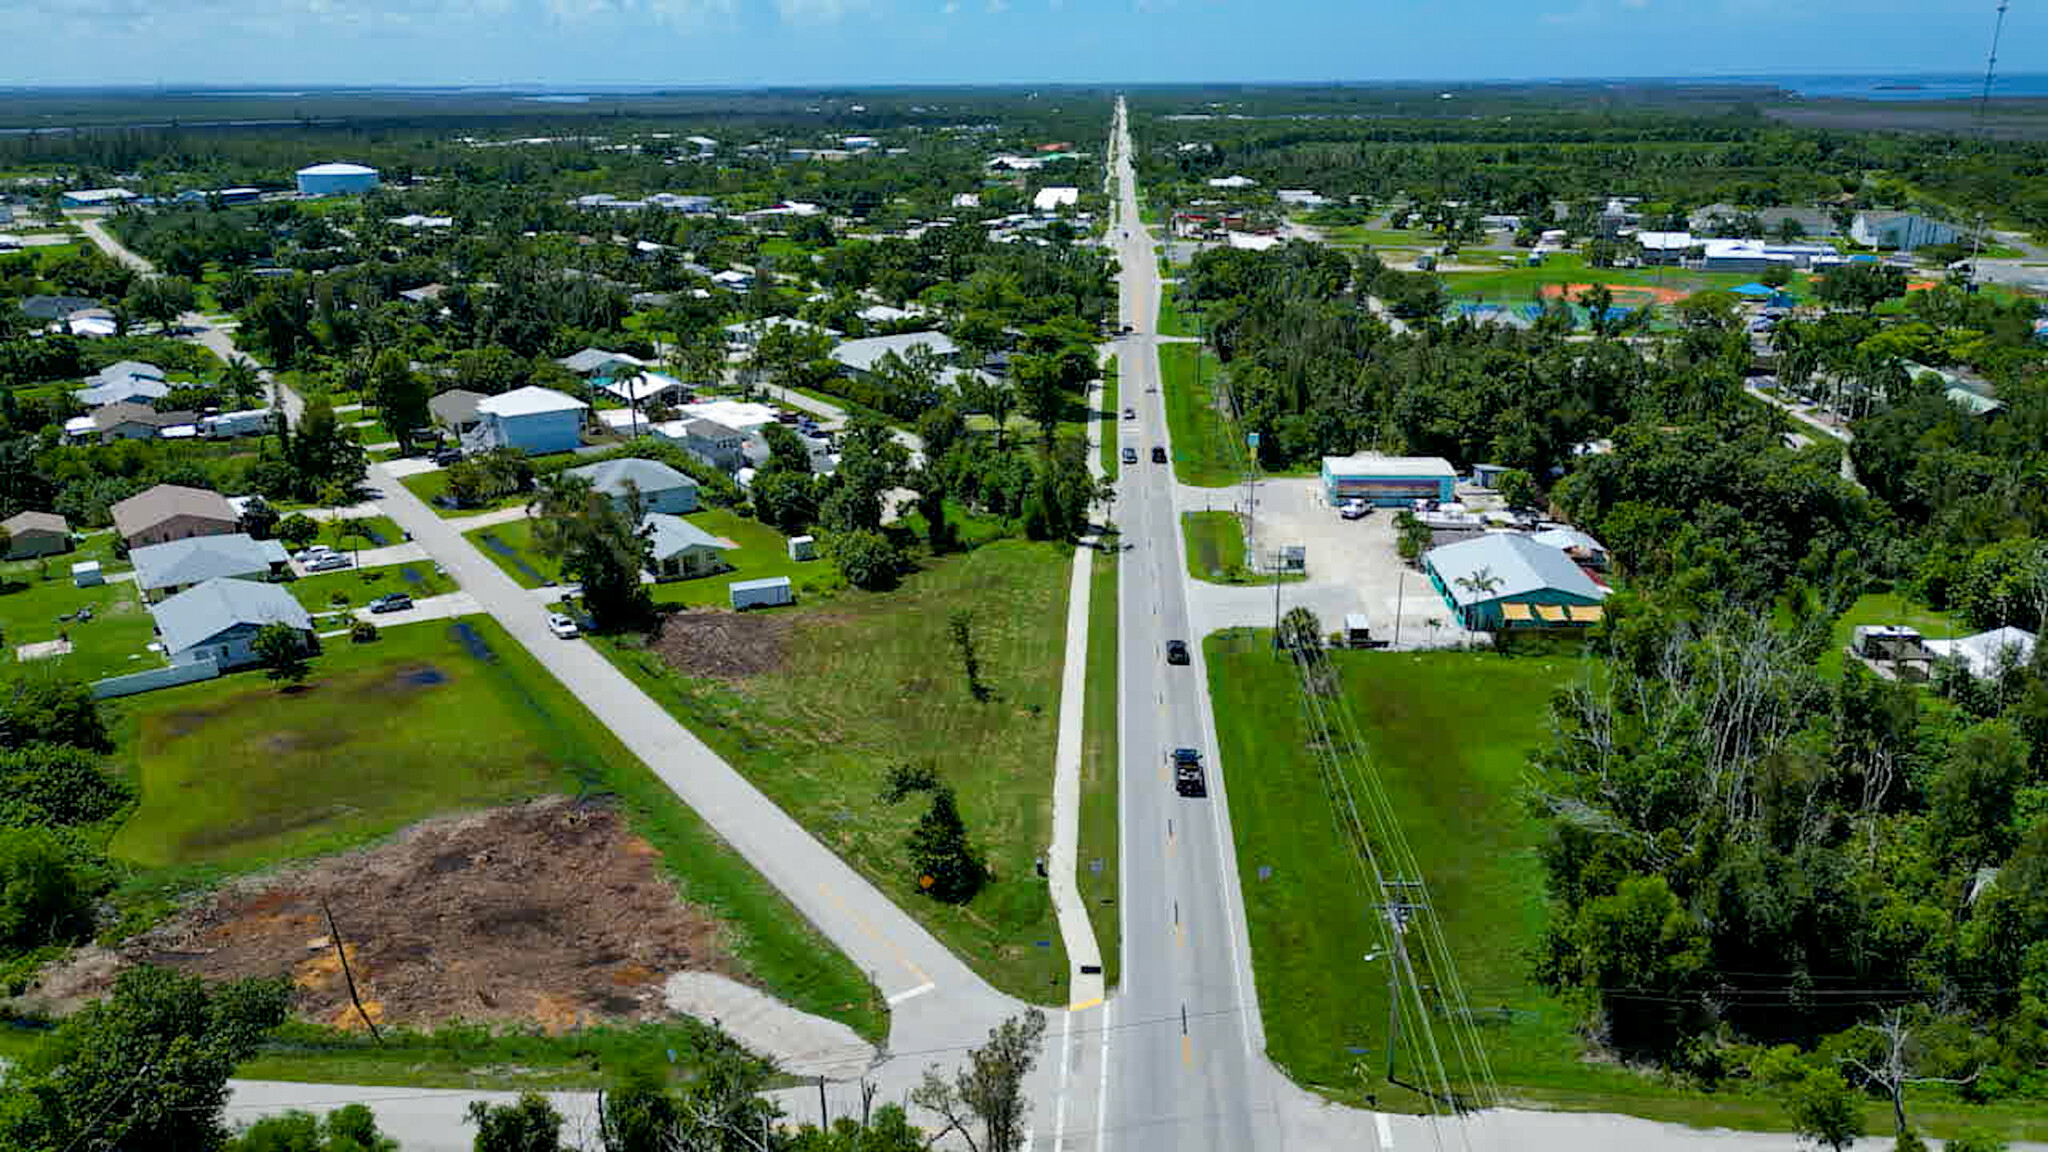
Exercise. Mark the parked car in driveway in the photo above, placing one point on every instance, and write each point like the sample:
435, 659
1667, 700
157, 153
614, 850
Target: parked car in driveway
1188, 778
562, 626
327, 563
311, 553
391, 602
1354, 509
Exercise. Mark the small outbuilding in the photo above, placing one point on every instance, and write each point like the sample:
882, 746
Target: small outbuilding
803, 548
87, 574
1390, 481
768, 593
32, 534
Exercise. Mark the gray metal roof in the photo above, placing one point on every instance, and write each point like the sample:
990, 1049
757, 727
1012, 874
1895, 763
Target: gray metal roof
197, 615
1518, 564
196, 559
865, 354
673, 534
611, 476
121, 389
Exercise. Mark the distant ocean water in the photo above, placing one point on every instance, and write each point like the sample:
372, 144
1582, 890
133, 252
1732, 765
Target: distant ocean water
1901, 86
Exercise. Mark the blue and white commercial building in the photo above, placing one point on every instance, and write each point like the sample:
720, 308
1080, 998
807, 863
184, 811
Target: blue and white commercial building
336, 179
1505, 580
1388, 480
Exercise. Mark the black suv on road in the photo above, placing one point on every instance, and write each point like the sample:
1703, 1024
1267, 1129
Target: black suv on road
1187, 772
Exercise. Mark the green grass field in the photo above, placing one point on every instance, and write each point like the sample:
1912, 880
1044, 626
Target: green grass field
873, 682
418, 579
1448, 734
1887, 608
1100, 735
1522, 285
1203, 454
372, 433
429, 485
1215, 546
378, 532
1173, 321
235, 774
1111, 414
35, 593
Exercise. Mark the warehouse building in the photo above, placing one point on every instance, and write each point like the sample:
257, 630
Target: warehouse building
1507, 581
336, 179
1388, 480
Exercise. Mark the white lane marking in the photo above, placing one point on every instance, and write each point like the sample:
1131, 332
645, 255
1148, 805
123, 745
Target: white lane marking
1386, 1131
1059, 1122
911, 993
1102, 1101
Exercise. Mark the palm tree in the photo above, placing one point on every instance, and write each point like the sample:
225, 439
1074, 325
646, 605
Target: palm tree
1480, 582
241, 381
629, 377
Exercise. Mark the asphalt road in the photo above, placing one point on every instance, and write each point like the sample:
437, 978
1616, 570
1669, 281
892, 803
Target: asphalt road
1186, 1067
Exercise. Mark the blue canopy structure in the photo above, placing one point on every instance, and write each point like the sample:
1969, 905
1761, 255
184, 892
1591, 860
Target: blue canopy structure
1754, 289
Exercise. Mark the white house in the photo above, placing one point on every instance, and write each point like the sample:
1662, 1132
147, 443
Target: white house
218, 621
532, 419
1055, 198
660, 487
681, 549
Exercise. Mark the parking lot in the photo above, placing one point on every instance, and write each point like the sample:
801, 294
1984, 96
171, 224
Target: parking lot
1353, 566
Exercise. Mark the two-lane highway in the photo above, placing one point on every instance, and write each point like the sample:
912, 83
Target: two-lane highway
1186, 1067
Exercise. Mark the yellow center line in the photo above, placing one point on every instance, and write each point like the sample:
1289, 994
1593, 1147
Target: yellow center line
1187, 1051
877, 937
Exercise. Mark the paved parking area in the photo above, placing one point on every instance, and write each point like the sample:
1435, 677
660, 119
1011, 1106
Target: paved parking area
1353, 566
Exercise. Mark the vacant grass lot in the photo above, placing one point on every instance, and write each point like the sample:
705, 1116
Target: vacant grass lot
429, 486
236, 774
1097, 876
1216, 552
1203, 452
1448, 734
418, 579
376, 532
34, 594
1522, 285
873, 682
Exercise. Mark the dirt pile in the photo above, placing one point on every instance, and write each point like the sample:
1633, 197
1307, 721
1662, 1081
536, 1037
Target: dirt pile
723, 645
550, 913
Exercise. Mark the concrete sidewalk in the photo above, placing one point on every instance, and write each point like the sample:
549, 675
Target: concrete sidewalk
937, 1002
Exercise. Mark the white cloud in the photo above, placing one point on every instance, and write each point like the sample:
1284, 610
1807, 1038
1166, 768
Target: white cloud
950, 8
997, 7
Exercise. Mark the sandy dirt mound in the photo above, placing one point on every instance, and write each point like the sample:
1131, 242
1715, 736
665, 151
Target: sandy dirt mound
724, 645
551, 913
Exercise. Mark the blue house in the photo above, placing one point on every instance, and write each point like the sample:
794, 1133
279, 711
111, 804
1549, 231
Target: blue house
217, 621
532, 420
1505, 580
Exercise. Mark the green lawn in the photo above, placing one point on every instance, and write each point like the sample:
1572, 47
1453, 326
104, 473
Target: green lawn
1448, 734
418, 579
1172, 321
1111, 414
428, 485
1204, 454
34, 593
1100, 733
372, 433
235, 774
1887, 608
1522, 285
873, 682
512, 548
380, 531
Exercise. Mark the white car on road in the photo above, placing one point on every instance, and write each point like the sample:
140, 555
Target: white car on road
562, 626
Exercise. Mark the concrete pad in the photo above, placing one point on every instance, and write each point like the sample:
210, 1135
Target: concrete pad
43, 650
800, 1043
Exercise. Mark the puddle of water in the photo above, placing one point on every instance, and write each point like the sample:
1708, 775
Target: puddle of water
370, 533
411, 575
425, 676
472, 643
490, 540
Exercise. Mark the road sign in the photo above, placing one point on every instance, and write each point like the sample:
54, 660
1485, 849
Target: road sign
1252, 438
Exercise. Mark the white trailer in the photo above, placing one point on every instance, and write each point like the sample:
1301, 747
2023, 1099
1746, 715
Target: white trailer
762, 593
222, 425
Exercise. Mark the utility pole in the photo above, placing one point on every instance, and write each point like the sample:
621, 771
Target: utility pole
1403, 899
1984, 128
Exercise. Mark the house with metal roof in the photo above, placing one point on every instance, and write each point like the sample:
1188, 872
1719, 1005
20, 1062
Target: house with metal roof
659, 487
455, 409
864, 356
32, 534
1505, 581
122, 390
1984, 654
532, 419
681, 550
598, 362
173, 512
164, 568
129, 421
217, 621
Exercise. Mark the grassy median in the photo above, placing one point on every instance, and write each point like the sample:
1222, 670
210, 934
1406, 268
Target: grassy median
1203, 453
1097, 876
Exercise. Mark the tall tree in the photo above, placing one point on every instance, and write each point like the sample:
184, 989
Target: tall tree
946, 865
146, 1067
985, 1102
399, 394
598, 543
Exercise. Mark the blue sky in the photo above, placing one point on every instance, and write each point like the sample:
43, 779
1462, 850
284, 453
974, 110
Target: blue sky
804, 42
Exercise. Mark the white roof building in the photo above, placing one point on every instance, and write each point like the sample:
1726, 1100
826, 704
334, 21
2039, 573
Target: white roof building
1981, 653
1055, 198
531, 400
1233, 182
